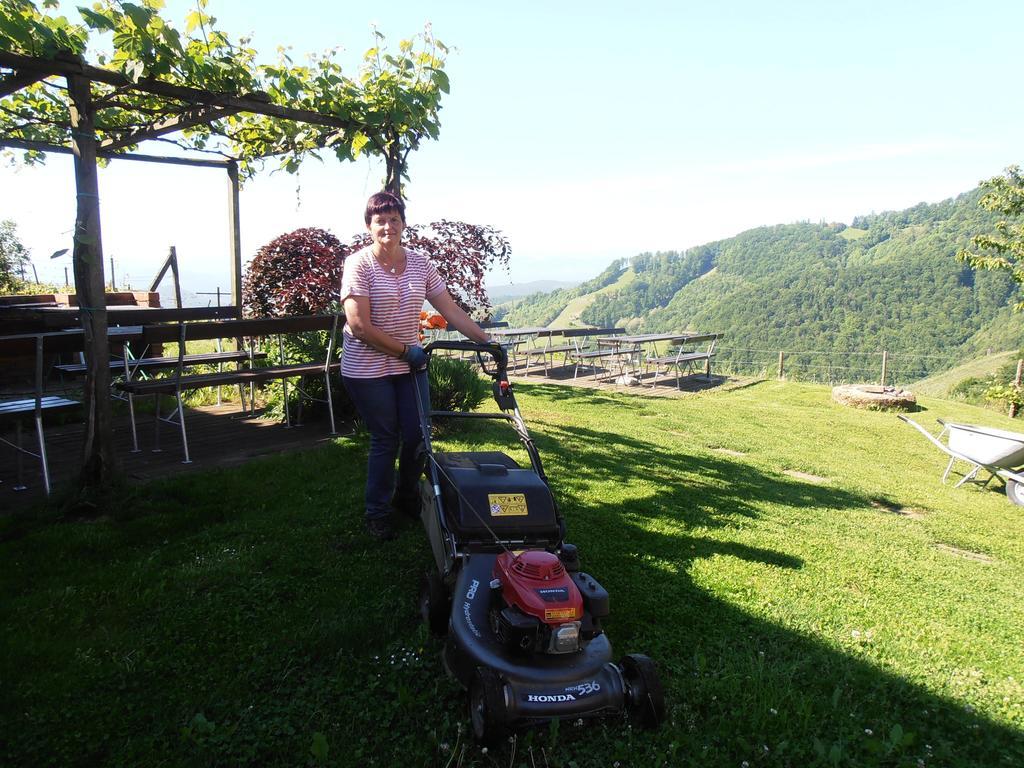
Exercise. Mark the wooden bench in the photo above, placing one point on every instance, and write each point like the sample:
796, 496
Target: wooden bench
131, 366
128, 366
179, 381
686, 355
587, 355
548, 350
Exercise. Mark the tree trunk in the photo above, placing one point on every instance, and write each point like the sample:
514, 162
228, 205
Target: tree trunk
97, 449
394, 167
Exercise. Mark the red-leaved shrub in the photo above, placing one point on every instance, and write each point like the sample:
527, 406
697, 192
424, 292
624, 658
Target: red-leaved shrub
298, 273
462, 253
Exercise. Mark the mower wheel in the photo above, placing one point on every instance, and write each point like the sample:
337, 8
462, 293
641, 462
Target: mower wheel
488, 711
434, 603
1015, 491
645, 696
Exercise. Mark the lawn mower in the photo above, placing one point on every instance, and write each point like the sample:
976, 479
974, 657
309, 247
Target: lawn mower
521, 621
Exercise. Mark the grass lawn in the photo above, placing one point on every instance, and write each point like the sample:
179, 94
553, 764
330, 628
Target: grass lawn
811, 592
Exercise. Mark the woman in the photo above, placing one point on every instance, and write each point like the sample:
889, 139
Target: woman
382, 290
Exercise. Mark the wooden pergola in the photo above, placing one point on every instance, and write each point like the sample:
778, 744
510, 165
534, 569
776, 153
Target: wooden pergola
182, 107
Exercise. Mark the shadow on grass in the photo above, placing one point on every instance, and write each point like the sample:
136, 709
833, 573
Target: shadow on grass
233, 616
686, 382
697, 490
748, 689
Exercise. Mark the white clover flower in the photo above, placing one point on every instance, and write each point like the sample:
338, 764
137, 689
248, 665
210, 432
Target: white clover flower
869, 732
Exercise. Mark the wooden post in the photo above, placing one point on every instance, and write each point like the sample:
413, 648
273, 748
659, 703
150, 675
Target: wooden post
173, 259
87, 262
782, 356
113, 281
235, 238
1016, 386
885, 364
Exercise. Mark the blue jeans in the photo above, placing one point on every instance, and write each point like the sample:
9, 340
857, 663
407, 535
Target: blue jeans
387, 406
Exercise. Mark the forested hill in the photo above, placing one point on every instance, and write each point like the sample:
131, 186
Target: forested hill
889, 281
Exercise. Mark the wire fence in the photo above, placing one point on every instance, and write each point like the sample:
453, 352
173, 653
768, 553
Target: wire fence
883, 367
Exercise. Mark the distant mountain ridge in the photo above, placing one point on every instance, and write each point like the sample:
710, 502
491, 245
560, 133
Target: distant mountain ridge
890, 281
502, 293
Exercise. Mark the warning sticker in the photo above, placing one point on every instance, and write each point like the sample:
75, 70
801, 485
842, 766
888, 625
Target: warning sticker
507, 504
559, 613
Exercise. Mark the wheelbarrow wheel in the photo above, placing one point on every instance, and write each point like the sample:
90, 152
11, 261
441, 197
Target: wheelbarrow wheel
1015, 491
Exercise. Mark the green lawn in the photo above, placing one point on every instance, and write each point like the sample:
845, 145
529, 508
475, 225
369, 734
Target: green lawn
866, 615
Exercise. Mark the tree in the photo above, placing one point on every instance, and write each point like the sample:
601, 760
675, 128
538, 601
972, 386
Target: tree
388, 109
202, 91
1004, 250
14, 256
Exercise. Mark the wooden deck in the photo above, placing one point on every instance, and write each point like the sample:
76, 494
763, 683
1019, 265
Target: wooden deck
646, 385
217, 437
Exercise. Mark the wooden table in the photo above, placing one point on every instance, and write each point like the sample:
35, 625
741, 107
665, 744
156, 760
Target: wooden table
514, 337
53, 318
41, 346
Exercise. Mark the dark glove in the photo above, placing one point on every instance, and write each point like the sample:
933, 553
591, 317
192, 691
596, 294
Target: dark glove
414, 356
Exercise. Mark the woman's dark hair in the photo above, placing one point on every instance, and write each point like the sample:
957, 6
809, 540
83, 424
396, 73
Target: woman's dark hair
383, 202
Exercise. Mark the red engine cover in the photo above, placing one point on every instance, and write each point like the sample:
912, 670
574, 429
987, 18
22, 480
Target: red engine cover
536, 582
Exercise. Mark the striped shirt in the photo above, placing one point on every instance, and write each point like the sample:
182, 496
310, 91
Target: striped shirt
395, 305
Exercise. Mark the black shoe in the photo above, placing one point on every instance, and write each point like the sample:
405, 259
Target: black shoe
380, 529
407, 506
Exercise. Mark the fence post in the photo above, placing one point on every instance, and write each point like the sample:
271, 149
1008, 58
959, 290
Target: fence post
781, 368
885, 364
1016, 386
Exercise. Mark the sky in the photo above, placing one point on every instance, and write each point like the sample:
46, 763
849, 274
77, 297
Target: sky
591, 131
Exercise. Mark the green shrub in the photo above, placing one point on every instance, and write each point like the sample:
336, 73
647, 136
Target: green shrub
995, 390
455, 385
972, 389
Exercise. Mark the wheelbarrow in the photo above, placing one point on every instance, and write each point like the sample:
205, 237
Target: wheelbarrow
997, 451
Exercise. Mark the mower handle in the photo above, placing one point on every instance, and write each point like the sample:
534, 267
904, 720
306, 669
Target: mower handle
492, 348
